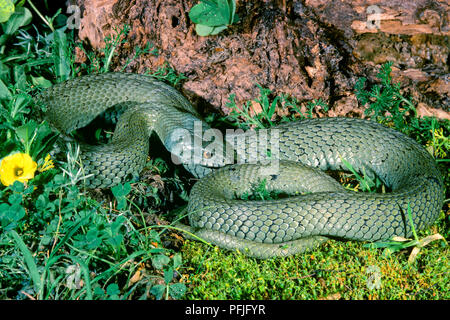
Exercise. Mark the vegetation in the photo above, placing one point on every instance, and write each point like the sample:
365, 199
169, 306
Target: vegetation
59, 240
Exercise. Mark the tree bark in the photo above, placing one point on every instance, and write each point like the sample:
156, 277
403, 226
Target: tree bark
307, 49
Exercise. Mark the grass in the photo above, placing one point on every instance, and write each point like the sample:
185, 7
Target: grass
337, 270
61, 241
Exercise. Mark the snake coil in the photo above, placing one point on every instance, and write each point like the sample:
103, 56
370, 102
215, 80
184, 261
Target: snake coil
319, 207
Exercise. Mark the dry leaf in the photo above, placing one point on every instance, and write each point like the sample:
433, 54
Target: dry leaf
400, 239
422, 243
334, 296
136, 277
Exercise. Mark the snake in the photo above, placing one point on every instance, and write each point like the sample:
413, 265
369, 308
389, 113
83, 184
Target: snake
293, 158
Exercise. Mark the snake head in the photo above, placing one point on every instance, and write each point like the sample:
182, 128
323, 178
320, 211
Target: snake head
202, 148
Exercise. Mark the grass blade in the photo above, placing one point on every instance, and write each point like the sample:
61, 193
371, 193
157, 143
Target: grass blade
61, 56
29, 260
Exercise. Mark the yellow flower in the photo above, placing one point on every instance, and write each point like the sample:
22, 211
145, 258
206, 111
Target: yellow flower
48, 164
17, 167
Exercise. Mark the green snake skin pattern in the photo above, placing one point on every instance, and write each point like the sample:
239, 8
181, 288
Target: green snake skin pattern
317, 207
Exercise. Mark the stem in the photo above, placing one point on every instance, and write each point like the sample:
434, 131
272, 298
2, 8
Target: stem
412, 224
183, 230
410, 105
41, 16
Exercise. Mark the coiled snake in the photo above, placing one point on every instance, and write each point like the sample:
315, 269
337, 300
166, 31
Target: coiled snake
318, 207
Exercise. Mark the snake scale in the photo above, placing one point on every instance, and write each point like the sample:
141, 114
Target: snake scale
318, 207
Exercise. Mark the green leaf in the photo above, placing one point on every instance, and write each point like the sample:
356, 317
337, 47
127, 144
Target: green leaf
20, 105
20, 77
113, 289
115, 241
168, 275
4, 92
92, 239
21, 17
121, 190
224, 10
160, 261
204, 31
15, 199
209, 14
217, 30
158, 291
177, 290
233, 16
61, 55
26, 134
117, 224
41, 82
10, 215
17, 186
99, 292
154, 236
177, 261
6, 10
43, 141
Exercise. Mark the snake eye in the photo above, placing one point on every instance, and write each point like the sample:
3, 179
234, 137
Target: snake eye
207, 154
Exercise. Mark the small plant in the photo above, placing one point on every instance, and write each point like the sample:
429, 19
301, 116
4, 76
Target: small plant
255, 114
168, 74
439, 145
260, 112
73, 167
102, 64
385, 102
366, 183
258, 192
213, 16
169, 267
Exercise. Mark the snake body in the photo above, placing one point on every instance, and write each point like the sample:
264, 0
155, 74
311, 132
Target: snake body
318, 207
